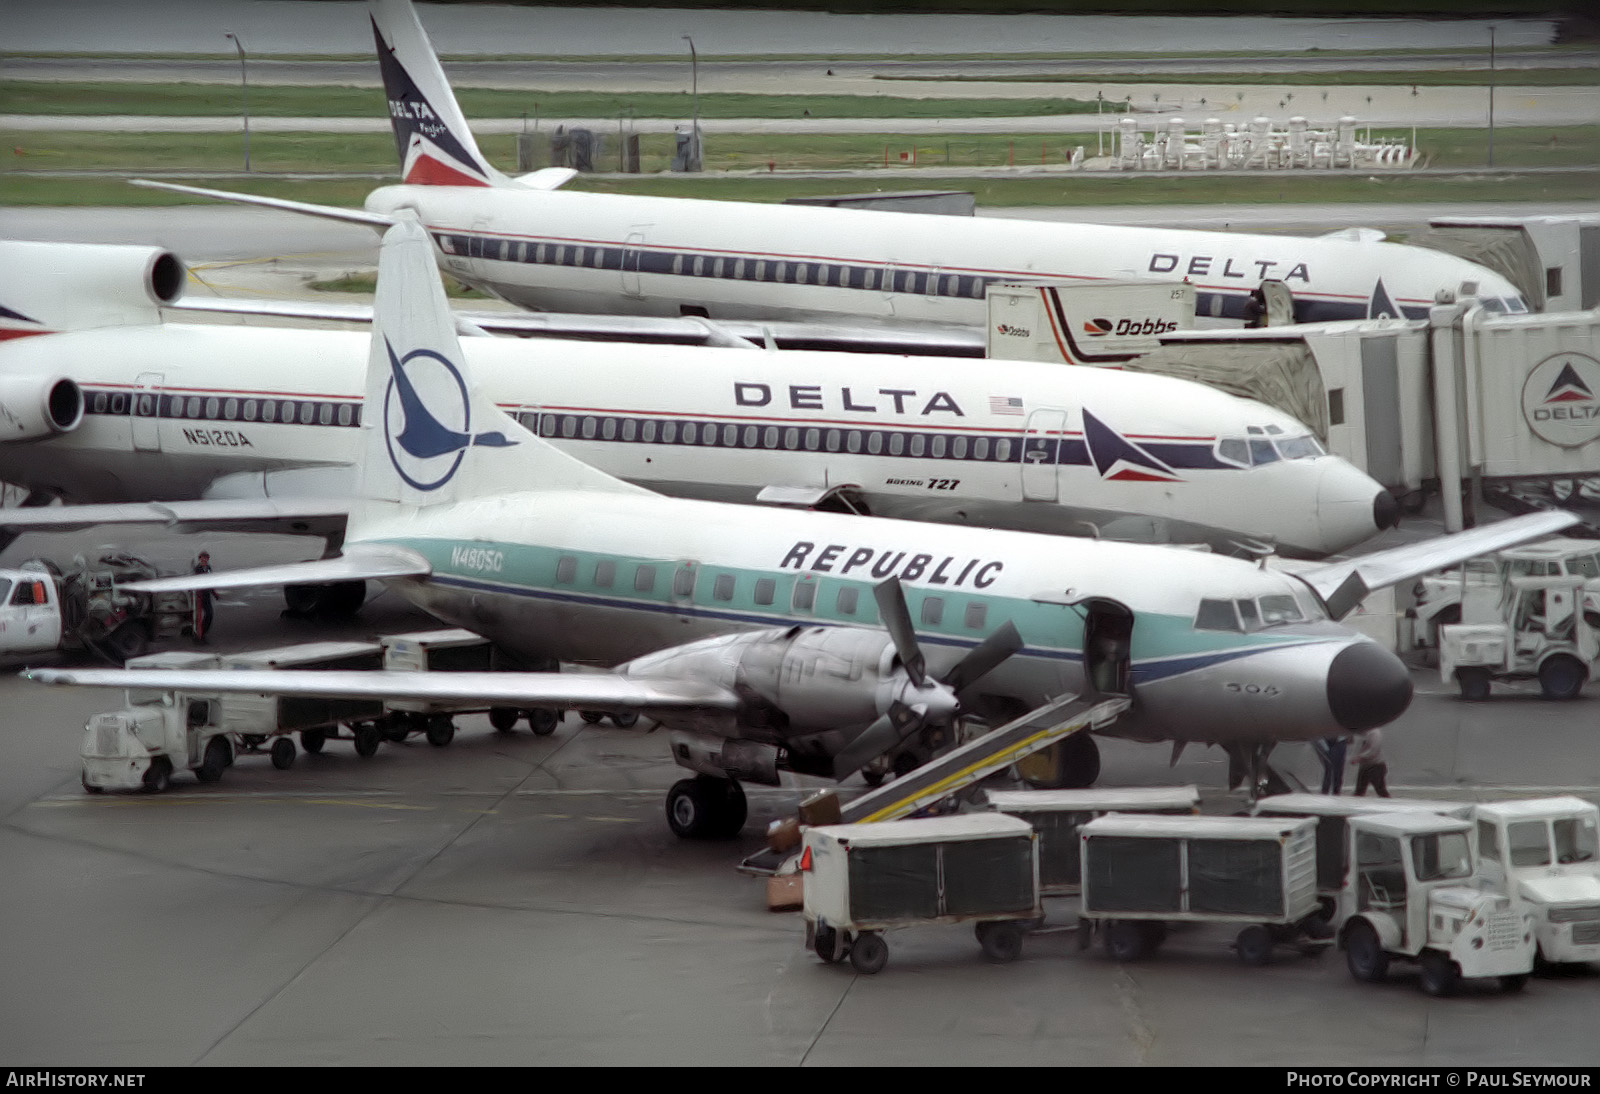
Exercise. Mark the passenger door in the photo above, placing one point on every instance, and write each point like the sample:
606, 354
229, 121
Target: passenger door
1041, 446
144, 412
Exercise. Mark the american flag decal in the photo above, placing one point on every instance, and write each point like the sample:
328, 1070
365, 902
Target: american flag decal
1005, 404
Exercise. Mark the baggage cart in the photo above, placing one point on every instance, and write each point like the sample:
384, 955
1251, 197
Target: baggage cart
861, 880
1058, 814
1142, 873
451, 649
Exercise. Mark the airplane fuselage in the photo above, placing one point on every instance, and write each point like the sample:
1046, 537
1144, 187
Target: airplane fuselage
184, 411
571, 251
605, 580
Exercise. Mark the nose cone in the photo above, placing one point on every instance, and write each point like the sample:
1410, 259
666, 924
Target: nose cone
1367, 687
1351, 506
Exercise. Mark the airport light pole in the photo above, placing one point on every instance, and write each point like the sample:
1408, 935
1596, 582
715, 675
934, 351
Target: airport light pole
1491, 94
694, 83
244, 86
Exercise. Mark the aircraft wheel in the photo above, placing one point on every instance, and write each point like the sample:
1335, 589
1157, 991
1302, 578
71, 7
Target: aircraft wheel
1440, 975
1474, 684
1562, 677
706, 808
593, 717
89, 787
1254, 945
503, 719
1364, 955
905, 764
871, 777
1001, 942
542, 722
219, 754
441, 730
367, 739
343, 598
283, 754
626, 719
312, 740
869, 953
158, 776
303, 599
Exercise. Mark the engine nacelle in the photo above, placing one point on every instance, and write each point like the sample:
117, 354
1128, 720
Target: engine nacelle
821, 678
34, 407
48, 287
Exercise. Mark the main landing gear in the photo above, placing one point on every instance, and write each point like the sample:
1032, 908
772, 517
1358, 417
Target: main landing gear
706, 808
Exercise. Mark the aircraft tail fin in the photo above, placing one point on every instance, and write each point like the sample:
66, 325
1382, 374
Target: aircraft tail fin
430, 132
430, 436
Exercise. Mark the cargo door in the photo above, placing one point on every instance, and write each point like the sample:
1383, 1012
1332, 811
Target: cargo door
1108, 647
144, 411
1041, 446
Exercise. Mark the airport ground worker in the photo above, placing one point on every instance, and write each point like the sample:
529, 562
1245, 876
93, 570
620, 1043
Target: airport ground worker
1370, 768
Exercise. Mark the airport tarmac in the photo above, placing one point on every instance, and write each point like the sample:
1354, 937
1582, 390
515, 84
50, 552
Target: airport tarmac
519, 900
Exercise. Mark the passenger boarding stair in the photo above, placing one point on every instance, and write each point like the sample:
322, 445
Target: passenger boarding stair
966, 766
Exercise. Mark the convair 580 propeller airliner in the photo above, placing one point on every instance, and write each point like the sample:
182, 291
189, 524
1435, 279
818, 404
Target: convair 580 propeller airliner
526, 242
770, 640
251, 419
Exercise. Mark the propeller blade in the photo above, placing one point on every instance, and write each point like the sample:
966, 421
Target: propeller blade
897, 619
984, 658
882, 735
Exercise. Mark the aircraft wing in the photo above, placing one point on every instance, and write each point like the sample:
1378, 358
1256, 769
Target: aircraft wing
329, 212
306, 516
360, 562
1343, 583
604, 691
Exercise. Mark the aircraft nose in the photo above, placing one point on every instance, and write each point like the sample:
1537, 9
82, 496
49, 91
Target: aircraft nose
1351, 506
1385, 510
1367, 687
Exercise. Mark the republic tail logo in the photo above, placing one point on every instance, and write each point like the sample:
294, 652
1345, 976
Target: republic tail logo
430, 155
1119, 459
427, 419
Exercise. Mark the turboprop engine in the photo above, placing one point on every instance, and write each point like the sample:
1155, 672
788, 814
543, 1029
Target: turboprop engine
834, 698
32, 407
48, 287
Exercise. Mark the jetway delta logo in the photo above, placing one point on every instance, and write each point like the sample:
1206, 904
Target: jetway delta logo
1560, 401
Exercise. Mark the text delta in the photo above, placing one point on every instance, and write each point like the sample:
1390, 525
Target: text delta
1201, 266
811, 397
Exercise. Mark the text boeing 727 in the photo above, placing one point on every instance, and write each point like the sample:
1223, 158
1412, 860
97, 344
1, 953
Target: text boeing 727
526, 242
781, 640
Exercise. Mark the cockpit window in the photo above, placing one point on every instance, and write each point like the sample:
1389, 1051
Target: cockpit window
1516, 306
1248, 614
1493, 304
1279, 609
1304, 447
1235, 451
1262, 452
1216, 615
1584, 565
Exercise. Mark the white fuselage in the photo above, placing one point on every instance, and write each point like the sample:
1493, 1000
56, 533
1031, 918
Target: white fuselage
173, 411
570, 251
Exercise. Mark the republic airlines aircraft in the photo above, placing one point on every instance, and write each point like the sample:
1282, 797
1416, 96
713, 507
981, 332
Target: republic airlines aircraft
527, 243
241, 416
769, 640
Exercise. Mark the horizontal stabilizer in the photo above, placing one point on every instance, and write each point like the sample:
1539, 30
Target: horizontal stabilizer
360, 562
603, 691
328, 212
218, 515
1357, 235
1384, 568
547, 178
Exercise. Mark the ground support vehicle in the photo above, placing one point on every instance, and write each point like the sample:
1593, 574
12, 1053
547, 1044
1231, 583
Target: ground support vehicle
452, 649
1058, 814
84, 607
158, 732
861, 880
1539, 632
1332, 813
1410, 893
1140, 874
1456, 596
1545, 853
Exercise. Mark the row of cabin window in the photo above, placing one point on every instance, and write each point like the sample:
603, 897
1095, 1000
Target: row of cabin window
847, 598
790, 438
217, 409
780, 271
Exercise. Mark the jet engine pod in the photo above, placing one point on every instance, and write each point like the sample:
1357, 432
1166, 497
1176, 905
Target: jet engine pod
78, 286
33, 407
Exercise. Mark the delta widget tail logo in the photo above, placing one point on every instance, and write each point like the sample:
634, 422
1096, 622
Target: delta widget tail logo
1119, 459
430, 155
427, 419
8, 331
